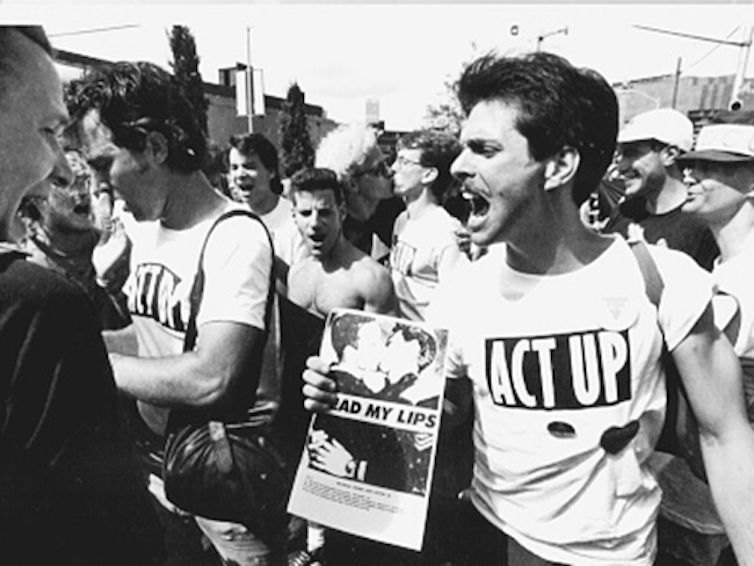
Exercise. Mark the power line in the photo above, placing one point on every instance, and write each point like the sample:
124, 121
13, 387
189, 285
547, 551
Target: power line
690, 36
93, 30
711, 51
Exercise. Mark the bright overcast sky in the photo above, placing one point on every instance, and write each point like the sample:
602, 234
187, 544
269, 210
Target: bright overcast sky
399, 54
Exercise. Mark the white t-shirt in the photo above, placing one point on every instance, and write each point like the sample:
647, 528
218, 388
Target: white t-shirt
288, 242
424, 252
736, 277
237, 262
555, 362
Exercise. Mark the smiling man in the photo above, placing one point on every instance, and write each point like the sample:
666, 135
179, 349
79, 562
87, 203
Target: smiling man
649, 148
719, 174
557, 342
69, 489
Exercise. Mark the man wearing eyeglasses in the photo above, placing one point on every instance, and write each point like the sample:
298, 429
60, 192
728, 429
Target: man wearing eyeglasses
353, 152
424, 250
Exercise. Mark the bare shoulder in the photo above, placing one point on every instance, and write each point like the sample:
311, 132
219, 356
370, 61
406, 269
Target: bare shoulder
374, 284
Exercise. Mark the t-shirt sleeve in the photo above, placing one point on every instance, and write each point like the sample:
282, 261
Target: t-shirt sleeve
237, 264
441, 313
687, 292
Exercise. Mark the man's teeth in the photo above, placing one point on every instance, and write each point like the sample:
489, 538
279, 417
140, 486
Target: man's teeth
477, 204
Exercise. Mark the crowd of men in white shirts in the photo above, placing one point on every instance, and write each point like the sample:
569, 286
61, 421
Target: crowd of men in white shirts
559, 466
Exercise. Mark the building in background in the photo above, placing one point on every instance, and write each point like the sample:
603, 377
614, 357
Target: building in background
697, 97
223, 119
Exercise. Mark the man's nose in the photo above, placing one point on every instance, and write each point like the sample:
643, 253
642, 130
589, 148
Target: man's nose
688, 176
459, 168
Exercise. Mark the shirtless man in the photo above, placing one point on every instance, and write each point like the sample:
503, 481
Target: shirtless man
336, 274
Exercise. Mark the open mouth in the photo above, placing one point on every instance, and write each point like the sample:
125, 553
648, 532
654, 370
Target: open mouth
478, 206
82, 209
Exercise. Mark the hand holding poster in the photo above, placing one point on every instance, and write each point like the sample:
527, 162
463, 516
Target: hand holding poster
367, 465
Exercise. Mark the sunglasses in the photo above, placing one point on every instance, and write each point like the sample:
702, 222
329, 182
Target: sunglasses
381, 169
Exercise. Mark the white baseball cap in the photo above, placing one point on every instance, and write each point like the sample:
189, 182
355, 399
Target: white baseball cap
724, 142
664, 125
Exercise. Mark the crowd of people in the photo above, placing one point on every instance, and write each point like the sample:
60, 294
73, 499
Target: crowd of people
573, 343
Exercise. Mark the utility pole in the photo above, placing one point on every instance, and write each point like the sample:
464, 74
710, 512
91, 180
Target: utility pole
743, 59
249, 83
743, 62
542, 37
676, 82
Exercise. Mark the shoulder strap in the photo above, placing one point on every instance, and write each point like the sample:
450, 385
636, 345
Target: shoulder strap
197, 290
652, 278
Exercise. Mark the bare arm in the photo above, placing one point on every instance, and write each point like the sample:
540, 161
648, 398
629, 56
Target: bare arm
198, 378
712, 376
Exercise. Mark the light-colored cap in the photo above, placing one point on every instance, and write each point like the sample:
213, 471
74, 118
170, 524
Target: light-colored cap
664, 125
723, 142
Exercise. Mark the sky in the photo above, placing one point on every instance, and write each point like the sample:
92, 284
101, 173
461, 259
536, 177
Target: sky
401, 55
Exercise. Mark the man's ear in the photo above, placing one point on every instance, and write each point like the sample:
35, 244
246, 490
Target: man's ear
429, 175
561, 168
156, 148
669, 155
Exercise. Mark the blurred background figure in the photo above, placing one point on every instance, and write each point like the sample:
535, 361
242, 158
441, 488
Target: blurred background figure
62, 234
353, 152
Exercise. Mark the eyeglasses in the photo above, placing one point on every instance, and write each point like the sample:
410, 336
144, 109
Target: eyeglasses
379, 170
402, 161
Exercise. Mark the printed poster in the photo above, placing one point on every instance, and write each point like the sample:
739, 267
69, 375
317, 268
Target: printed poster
367, 464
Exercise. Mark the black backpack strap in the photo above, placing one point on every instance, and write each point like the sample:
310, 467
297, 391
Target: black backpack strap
652, 279
180, 416
197, 290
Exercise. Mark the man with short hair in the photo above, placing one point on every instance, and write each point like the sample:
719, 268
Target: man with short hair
69, 486
255, 180
558, 342
140, 137
649, 148
425, 249
336, 273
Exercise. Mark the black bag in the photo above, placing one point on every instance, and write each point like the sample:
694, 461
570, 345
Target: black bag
226, 469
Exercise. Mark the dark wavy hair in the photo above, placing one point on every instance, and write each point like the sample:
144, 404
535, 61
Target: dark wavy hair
257, 144
317, 179
134, 99
559, 106
438, 149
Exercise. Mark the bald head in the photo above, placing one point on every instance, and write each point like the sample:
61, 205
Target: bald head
15, 41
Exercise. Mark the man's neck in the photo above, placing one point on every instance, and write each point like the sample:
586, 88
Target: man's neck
342, 253
672, 195
266, 204
736, 234
420, 204
191, 199
557, 243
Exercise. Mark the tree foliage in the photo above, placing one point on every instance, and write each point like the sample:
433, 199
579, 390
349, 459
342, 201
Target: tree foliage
185, 66
447, 114
296, 151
